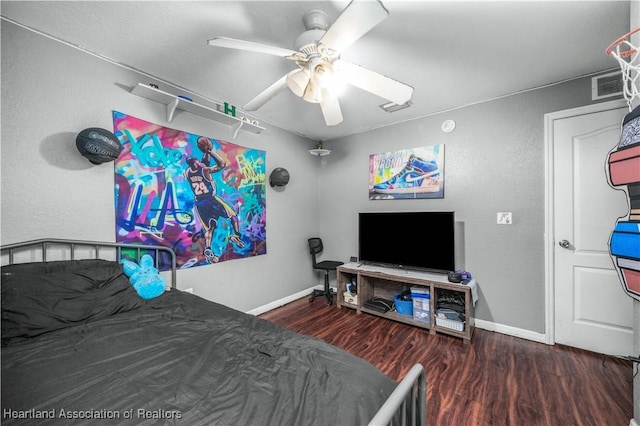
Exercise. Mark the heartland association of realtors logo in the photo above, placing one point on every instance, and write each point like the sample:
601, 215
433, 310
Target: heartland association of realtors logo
62, 413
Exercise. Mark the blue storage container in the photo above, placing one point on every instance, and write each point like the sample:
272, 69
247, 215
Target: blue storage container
403, 307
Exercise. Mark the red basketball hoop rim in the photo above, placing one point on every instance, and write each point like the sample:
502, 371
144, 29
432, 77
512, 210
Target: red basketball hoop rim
624, 53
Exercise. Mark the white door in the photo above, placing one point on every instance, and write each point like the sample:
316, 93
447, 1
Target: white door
592, 311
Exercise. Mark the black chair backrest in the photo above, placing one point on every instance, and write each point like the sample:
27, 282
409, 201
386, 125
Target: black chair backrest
315, 247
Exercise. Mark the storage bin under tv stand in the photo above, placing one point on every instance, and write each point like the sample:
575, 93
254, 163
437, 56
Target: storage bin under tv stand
380, 281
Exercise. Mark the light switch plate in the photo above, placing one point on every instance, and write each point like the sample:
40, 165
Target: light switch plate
504, 218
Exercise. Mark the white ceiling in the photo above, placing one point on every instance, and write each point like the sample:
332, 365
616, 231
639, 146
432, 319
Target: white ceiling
453, 53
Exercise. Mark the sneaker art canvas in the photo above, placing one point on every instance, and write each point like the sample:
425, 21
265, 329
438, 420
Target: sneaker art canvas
407, 174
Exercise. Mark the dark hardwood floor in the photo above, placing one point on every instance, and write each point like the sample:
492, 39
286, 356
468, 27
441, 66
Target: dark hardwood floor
495, 380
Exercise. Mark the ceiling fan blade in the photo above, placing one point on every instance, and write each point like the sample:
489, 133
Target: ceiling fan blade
266, 95
233, 43
371, 81
357, 19
331, 110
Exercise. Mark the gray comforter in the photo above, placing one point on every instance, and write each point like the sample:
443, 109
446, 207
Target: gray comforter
93, 352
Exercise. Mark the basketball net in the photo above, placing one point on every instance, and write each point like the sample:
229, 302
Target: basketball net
627, 53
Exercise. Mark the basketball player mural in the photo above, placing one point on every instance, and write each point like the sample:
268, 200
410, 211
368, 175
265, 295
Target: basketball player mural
208, 204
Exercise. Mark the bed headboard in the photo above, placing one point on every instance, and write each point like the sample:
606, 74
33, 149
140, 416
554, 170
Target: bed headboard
44, 250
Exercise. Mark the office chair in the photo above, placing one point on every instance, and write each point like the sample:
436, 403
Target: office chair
315, 247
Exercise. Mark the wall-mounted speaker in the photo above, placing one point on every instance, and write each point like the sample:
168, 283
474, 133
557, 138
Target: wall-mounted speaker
279, 177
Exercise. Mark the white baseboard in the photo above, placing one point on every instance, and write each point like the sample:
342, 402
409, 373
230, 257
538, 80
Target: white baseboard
633, 423
277, 303
511, 331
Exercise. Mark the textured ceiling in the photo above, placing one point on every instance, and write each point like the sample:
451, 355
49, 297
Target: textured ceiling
453, 53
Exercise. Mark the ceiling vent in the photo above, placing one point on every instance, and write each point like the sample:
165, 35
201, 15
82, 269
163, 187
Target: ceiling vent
607, 85
392, 107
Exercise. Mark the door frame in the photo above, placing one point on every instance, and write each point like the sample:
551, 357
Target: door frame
549, 223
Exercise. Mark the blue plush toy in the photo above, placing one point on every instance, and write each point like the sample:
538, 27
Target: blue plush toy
144, 277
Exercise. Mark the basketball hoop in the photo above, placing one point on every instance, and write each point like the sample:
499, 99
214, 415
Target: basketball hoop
628, 56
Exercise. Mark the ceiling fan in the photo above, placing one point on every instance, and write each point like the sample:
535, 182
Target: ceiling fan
320, 68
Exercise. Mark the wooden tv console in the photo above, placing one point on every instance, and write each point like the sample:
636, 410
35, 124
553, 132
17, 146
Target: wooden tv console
379, 281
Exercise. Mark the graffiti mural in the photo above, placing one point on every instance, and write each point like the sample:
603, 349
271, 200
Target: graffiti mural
623, 172
203, 197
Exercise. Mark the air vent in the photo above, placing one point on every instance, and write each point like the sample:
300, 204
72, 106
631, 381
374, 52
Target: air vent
392, 107
607, 85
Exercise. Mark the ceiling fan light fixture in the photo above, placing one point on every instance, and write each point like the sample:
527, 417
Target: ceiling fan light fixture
327, 78
297, 80
323, 74
312, 93
338, 85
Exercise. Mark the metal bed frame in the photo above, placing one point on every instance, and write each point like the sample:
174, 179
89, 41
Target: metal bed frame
408, 401
406, 406
48, 245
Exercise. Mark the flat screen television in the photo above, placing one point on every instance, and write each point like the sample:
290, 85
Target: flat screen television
412, 240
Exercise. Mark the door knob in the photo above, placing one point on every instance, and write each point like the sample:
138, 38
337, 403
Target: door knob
564, 244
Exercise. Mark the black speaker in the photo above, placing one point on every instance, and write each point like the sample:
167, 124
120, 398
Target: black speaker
279, 177
454, 277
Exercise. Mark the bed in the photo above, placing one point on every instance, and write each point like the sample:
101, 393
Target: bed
79, 346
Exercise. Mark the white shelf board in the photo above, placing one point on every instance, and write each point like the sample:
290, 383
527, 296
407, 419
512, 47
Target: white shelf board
174, 103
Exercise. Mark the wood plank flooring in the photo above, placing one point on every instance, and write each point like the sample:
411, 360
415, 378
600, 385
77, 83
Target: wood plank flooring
495, 380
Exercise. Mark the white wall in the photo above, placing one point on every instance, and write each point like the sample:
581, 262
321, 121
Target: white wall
51, 91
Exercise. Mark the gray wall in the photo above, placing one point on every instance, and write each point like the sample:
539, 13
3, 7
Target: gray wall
51, 91
494, 161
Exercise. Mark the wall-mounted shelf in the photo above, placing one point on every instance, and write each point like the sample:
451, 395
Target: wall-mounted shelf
174, 103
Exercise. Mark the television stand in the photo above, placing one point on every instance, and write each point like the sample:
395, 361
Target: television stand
379, 281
